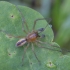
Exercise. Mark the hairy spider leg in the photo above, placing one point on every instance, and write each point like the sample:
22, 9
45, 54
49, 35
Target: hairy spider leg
9, 35
35, 54
47, 43
39, 44
25, 48
42, 29
23, 21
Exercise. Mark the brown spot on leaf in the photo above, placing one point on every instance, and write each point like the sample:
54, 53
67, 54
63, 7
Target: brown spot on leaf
9, 54
12, 16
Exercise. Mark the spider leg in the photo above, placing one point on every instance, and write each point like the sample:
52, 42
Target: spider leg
47, 43
39, 44
38, 20
9, 35
23, 21
24, 29
26, 26
24, 52
35, 54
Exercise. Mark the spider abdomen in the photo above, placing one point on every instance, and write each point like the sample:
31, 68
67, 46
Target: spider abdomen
21, 42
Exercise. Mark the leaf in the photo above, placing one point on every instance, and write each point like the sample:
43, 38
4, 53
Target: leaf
63, 62
10, 55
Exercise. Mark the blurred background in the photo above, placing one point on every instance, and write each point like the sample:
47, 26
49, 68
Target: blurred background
58, 11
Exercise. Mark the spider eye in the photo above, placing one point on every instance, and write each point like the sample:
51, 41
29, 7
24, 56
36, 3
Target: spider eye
41, 29
42, 35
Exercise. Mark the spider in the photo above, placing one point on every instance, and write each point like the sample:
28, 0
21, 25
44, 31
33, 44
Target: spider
32, 37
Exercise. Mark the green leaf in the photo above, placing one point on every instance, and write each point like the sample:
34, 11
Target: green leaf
10, 55
63, 62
